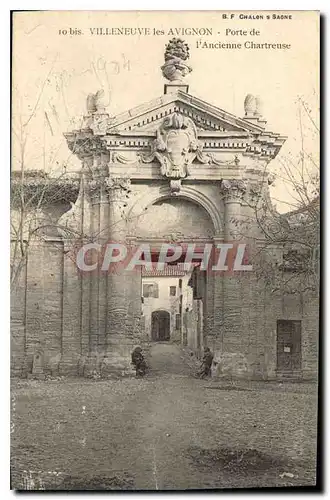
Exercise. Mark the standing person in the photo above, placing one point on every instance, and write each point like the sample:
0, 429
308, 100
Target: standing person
185, 327
206, 363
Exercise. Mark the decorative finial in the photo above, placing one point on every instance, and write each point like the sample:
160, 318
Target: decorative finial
259, 106
95, 102
250, 105
176, 55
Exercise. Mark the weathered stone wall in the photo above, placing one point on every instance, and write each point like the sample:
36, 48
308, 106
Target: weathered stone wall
310, 336
51, 311
251, 352
18, 311
37, 309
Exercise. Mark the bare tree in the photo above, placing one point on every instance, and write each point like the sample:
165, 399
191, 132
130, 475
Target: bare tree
32, 189
286, 254
35, 190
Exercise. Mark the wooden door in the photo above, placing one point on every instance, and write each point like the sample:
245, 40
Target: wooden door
160, 325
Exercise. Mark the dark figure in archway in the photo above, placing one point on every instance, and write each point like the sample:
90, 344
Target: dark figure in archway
139, 362
205, 370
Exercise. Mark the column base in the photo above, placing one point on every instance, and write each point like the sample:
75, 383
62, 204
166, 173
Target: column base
91, 367
68, 365
118, 361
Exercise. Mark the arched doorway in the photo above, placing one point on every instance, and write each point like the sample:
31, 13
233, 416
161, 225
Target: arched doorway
160, 325
188, 218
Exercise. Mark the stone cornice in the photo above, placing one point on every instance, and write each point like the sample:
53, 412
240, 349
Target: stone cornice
84, 143
264, 146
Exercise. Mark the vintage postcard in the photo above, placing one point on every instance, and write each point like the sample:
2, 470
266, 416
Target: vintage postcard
165, 220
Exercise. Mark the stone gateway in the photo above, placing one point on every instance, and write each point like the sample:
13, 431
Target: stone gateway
173, 170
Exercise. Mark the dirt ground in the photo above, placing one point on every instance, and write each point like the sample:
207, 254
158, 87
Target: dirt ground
166, 431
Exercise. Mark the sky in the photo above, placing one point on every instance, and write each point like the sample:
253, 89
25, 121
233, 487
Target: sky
54, 71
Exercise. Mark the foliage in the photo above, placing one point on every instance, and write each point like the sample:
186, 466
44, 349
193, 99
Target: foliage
287, 250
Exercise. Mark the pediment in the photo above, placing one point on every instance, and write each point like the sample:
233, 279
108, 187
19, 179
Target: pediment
148, 129
148, 117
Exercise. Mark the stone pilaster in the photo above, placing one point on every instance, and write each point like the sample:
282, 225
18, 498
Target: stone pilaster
209, 306
234, 342
217, 281
98, 279
134, 284
119, 326
92, 362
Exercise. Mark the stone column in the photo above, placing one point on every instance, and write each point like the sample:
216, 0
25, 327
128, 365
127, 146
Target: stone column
121, 287
234, 340
99, 233
134, 283
216, 279
93, 362
103, 276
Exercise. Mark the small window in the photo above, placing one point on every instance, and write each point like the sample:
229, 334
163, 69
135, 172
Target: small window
150, 290
178, 321
172, 291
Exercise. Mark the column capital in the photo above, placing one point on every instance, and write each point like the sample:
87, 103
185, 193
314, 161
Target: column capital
233, 190
117, 187
97, 181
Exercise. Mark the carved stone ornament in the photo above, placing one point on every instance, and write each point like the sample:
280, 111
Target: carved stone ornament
127, 158
99, 123
212, 159
175, 69
250, 105
176, 55
95, 102
175, 186
176, 146
118, 187
233, 190
84, 145
70, 224
95, 185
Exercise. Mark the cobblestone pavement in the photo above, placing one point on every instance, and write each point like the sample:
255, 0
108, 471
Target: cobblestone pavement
166, 431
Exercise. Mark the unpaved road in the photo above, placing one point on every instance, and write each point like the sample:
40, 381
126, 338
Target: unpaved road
167, 431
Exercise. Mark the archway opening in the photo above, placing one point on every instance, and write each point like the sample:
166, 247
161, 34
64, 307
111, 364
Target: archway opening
184, 223
160, 326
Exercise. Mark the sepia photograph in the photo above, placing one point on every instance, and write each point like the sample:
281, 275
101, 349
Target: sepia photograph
164, 250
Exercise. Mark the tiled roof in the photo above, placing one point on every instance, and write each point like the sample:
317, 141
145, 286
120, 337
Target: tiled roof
175, 270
